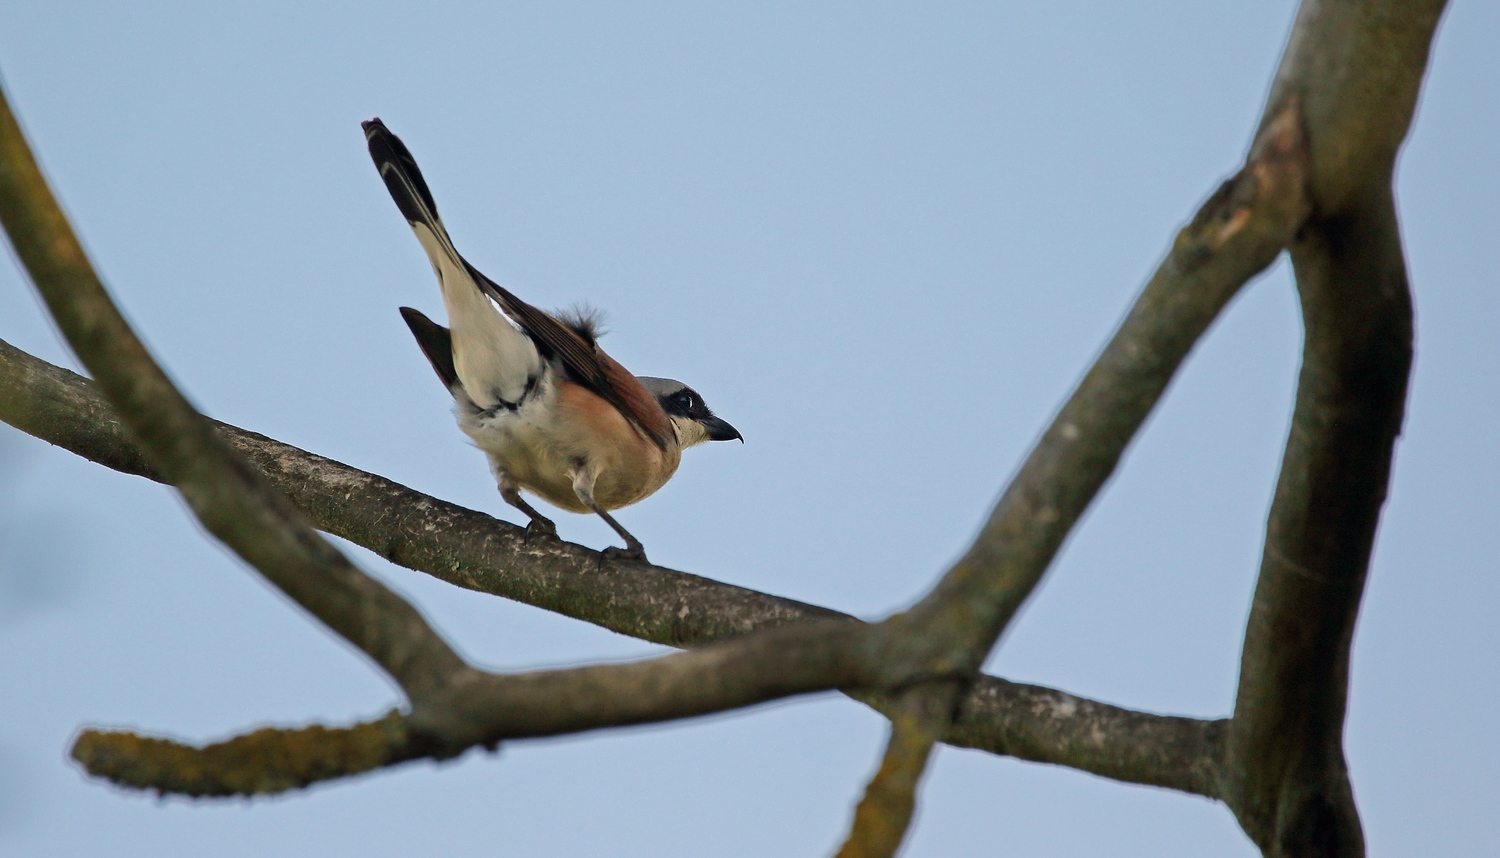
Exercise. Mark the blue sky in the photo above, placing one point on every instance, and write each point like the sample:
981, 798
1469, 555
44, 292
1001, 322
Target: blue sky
881, 239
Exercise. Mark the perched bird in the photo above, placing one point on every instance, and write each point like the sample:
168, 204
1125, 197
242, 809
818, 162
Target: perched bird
555, 415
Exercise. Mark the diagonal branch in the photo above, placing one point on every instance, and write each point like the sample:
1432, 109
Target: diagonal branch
231, 499
483, 709
453, 705
1237, 233
477, 552
1318, 180
1044, 725
919, 717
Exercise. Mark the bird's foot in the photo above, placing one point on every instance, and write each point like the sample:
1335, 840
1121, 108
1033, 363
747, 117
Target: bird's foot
543, 527
635, 552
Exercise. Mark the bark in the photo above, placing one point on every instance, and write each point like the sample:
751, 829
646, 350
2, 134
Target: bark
473, 550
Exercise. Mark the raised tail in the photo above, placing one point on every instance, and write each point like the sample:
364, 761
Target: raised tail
495, 362
403, 178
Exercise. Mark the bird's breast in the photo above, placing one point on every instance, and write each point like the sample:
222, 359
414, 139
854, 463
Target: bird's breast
565, 428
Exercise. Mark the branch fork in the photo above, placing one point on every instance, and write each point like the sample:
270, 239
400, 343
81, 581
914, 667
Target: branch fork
1316, 183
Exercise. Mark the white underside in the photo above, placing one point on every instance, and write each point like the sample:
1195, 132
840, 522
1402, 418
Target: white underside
533, 445
494, 359
521, 448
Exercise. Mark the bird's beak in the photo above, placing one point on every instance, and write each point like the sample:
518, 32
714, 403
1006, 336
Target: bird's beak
719, 430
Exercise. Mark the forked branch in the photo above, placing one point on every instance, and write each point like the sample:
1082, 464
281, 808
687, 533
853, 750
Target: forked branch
1356, 70
1317, 181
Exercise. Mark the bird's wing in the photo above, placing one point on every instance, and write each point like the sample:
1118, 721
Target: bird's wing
586, 363
496, 363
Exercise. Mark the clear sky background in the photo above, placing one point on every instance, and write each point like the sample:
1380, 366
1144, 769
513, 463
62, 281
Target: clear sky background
883, 240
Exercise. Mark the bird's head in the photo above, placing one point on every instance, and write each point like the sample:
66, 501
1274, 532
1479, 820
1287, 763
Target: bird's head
691, 417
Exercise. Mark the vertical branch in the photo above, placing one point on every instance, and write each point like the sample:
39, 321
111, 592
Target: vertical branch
1287, 771
1356, 69
919, 717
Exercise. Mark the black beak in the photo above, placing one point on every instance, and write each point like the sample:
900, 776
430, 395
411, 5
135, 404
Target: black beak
718, 430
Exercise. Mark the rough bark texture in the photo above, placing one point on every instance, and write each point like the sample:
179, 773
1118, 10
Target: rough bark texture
473, 550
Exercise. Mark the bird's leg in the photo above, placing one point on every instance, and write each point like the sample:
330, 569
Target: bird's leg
633, 549
539, 523
583, 486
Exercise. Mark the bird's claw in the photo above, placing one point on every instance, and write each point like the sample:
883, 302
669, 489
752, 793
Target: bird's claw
636, 553
541, 527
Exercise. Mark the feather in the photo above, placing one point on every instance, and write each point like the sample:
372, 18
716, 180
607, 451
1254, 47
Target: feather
584, 319
436, 343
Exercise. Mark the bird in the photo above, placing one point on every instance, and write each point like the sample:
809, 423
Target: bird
555, 415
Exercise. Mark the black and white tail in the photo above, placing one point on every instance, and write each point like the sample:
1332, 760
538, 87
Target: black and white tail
495, 362
400, 172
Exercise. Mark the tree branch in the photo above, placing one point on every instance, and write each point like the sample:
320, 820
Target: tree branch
1355, 69
484, 709
919, 717
453, 705
266, 761
1044, 725
477, 552
1237, 233
232, 500
1286, 742
1317, 180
